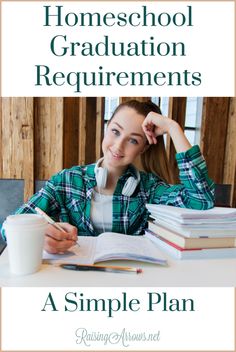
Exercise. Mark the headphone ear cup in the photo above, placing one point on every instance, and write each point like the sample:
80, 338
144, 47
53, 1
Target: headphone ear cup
101, 177
130, 186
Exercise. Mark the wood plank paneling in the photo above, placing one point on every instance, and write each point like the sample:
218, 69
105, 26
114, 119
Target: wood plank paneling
177, 112
99, 126
12, 148
27, 133
82, 130
17, 126
48, 137
71, 132
213, 135
87, 131
229, 176
17, 141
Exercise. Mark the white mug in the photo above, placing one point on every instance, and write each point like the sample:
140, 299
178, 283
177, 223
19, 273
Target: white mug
25, 238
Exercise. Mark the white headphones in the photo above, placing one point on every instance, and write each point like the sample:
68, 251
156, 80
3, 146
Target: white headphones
101, 178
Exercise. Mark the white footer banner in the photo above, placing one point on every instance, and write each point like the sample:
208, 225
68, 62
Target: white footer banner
117, 319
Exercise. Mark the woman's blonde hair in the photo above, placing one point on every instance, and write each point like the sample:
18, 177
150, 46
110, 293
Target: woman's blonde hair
154, 159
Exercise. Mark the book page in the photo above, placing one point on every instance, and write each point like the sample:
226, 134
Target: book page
120, 246
81, 253
180, 214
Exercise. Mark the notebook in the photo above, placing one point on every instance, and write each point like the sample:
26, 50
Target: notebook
110, 246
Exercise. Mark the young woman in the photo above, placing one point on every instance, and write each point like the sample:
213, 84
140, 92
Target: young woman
111, 194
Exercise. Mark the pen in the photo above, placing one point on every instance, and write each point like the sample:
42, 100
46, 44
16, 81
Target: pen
51, 221
48, 219
110, 269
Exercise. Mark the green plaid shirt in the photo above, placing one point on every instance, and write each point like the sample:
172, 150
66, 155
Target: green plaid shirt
67, 195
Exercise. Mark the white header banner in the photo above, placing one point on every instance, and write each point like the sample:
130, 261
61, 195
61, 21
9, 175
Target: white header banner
120, 319
118, 48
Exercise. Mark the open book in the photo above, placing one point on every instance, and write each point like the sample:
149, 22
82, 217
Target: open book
110, 246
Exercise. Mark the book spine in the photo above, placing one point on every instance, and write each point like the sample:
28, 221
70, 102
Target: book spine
191, 243
209, 253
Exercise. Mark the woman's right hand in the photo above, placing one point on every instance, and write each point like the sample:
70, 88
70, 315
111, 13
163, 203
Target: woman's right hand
57, 241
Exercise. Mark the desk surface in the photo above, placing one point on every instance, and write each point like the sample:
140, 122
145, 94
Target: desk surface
212, 272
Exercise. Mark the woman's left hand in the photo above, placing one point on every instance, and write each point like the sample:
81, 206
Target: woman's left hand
155, 125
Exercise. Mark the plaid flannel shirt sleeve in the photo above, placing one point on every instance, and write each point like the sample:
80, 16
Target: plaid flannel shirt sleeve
45, 199
196, 190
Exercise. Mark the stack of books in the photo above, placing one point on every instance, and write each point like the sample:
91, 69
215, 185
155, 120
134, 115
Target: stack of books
193, 234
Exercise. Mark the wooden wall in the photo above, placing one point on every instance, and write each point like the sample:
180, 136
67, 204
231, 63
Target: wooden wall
218, 140
40, 136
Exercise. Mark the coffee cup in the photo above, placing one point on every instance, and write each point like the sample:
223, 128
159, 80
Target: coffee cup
25, 238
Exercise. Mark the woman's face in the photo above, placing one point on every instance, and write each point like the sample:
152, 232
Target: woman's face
124, 139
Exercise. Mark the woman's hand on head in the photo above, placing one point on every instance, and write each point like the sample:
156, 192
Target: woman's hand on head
155, 125
57, 241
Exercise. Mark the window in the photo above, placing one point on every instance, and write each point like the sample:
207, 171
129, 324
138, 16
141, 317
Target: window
192, 117
163, 103
110, 105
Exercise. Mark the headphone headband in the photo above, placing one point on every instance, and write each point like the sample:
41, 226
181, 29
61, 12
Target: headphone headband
101, 179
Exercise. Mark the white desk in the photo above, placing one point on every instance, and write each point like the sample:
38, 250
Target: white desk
220, 272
